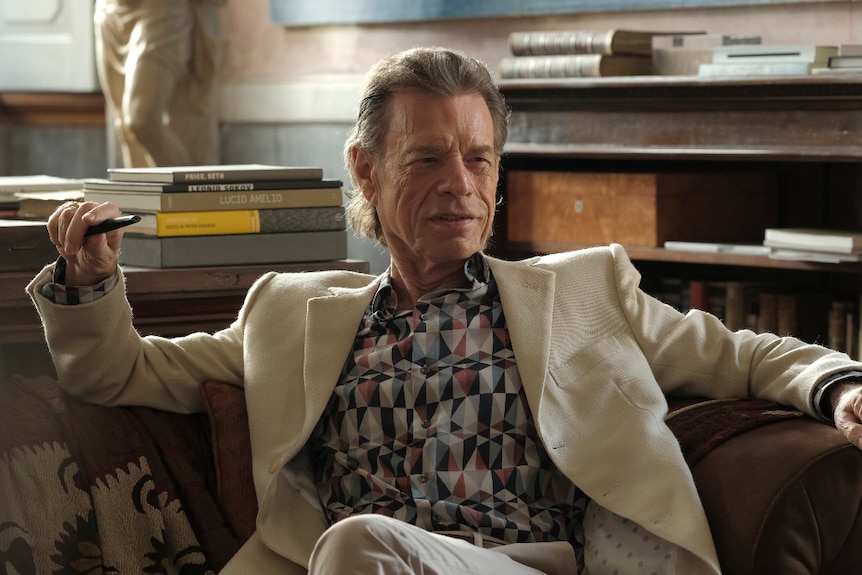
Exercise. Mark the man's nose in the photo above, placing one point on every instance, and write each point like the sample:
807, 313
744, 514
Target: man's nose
456, 178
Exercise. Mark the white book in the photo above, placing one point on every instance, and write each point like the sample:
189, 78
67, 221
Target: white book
813, 256
813, 53
815, 239
10, 185
755, 69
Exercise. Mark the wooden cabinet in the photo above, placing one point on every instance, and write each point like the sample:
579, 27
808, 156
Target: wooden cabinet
166, 302
806, 131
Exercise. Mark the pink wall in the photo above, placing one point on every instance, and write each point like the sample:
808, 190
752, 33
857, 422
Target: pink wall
254, 49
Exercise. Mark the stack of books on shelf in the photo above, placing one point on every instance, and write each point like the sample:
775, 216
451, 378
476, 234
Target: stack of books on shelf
814, 244
226, 215
36, 196
25, 204
580, 54
848, 61
767, 59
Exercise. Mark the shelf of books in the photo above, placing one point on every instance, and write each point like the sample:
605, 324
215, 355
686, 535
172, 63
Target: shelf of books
226, 214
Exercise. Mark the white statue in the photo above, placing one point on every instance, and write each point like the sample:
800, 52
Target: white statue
156, 61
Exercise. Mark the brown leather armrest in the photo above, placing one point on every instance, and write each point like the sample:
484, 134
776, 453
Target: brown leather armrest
785, 498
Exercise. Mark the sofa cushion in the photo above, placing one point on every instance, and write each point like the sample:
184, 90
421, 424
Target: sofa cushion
225, 405
87, 488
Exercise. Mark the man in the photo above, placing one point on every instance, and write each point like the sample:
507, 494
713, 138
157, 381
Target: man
457, 414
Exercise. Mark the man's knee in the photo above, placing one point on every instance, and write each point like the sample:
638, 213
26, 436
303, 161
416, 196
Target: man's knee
366, 544
359, 532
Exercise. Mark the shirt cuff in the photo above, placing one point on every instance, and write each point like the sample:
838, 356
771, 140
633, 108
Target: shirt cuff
58, 292
821, 395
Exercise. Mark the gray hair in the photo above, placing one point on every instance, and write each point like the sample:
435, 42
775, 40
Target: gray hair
433, 70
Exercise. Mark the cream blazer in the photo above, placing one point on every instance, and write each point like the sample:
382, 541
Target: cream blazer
596, 356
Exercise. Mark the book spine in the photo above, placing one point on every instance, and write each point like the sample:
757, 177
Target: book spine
246, 249
786, 314
754, 69
734, 307
837, 334
699, 295
768, 53
571, 66
174, 224
227, 222
205, 175
569, 42
203, 201
228, 187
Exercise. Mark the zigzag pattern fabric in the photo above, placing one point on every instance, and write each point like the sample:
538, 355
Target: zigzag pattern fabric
429, 424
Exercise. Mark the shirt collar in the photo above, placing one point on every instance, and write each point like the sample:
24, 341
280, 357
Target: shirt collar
384, 304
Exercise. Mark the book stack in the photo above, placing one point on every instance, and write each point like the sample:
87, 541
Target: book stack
767, 59
848, 61
579, 54
682, 54
36, 196
814, 244
226, 215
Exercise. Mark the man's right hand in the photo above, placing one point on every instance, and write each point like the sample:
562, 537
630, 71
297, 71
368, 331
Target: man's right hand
90, 259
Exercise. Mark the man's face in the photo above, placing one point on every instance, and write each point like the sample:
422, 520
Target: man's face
435, 186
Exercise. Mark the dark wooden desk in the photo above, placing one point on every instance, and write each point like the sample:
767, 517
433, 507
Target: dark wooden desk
165, 302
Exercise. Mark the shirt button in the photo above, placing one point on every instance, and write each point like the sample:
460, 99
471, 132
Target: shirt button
423, 317
274, 466
423, 478
425, 370
426, 424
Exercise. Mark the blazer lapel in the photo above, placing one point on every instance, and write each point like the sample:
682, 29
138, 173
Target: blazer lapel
527, 295
331, 325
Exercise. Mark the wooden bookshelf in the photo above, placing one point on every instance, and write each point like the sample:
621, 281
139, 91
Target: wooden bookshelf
805, 130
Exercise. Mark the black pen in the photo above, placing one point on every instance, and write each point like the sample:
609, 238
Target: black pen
113, 224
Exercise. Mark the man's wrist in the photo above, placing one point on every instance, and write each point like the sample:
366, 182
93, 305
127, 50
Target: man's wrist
829, 390
57, 291
65, 276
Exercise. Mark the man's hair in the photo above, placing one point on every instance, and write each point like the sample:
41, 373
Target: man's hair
432, 70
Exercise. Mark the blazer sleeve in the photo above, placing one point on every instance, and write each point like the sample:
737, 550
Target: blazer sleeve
101, 358
695, 354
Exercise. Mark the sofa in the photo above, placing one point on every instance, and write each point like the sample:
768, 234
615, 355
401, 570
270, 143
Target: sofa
90, 489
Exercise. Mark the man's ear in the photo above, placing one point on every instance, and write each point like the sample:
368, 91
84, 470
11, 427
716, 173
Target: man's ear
363, 167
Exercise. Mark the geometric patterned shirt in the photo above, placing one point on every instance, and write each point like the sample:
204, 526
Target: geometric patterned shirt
429, 424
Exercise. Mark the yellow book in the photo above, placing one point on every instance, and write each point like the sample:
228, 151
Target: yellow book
167, 224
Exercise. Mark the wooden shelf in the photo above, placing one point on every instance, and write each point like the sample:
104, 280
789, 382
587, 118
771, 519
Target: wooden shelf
53, 108
686, 257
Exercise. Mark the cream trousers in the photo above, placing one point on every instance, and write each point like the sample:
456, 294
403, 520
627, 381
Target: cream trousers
374, 544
